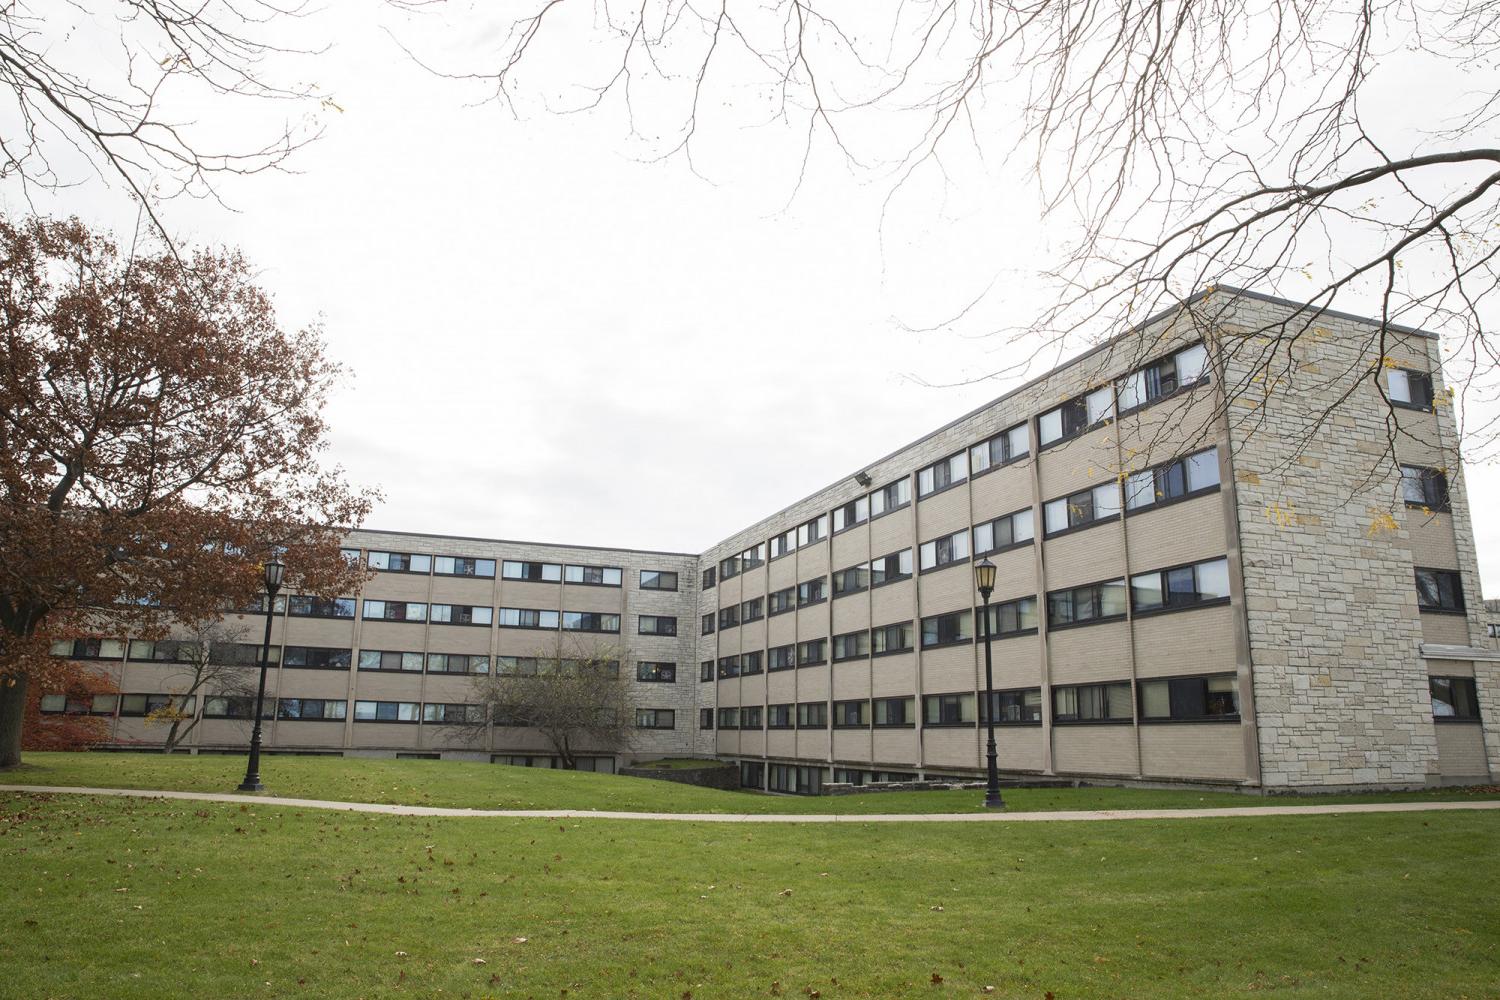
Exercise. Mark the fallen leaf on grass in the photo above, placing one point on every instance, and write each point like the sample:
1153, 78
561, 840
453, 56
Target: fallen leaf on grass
517, 940
937, 980
479, 961
783, 892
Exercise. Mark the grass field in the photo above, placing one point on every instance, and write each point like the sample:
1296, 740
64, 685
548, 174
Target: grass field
149, 899
492, 786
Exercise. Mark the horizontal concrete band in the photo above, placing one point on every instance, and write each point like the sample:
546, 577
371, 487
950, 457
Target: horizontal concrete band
1082, 815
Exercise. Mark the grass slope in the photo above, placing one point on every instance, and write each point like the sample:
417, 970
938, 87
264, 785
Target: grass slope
491, 786
154, 899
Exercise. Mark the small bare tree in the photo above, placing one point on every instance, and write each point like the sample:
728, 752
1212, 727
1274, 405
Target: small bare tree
214, 662
572, 694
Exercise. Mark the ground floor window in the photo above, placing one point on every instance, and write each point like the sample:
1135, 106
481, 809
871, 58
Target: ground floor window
1453, 698
796, 779
752, 774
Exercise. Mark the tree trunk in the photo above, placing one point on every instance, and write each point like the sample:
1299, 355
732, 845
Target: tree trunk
12, 711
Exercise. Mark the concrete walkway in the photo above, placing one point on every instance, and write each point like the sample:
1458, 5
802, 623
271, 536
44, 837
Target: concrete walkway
1076, 816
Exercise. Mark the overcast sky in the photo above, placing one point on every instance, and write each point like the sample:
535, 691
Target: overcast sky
551, 340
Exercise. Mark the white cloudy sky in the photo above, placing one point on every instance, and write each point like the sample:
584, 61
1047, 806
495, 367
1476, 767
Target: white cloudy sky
552, 340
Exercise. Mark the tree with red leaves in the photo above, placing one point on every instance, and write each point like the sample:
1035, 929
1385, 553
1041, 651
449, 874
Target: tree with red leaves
160, 436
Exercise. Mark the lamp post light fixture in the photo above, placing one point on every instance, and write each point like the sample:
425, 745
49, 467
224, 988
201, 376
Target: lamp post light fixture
984, 581
275, 572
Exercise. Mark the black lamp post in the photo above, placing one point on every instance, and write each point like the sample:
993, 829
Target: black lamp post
275, 570
984, 580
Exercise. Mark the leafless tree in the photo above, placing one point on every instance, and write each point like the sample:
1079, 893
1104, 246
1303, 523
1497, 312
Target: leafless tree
1179, 144
214, 661
105, 87
570, 692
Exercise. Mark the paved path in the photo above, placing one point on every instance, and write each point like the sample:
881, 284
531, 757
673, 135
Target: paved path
1073, 816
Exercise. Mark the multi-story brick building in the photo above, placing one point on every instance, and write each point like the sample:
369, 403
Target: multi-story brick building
1215, 564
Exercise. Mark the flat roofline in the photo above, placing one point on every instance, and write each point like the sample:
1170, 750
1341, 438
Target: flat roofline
516, 541
1230, 290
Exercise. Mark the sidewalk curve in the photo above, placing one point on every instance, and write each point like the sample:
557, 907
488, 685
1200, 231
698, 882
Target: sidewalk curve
1071, 816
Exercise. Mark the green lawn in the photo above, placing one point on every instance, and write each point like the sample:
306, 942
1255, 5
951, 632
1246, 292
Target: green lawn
153, 899
494, 786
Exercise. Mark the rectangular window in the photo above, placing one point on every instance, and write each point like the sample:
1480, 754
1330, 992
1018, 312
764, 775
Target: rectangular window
750, 663
891, 638
89, 649
781, 658
1016, 617
1091, 703
656, 672
387, 711
1079, 605
595, 576
395, 611
658, 579
304, 606
463, 566
895, 711
729, 718
528, 618
457, 663
1021, 707
728, 569
752, 774
749, 716
399, 562
851, 714
779, 716
753, 610
462, 614
705, 718
590, 621
851, 646
1192, 699
655, 718
166, 651
312, 709
1089, 506
535, 571
385, 659
1409, 389
851, 580
657, 625
140, 705
445, 714
729, 617
796, 779
729, 666
1181, 586
1002, 449
1454, 698
1004, 532
812, 592
889, 569
705, 671
1076, 416
889, 498
852, 513
946, 630
516, 666
813, 531
1423, 488
783, 600
708, 623
812, 652
1176, 480
753, 557
1182, 370
1439, 590
940, 475
219, 706
945, 551
709, 578
948, 710
812, 715
316, 658
784, 543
